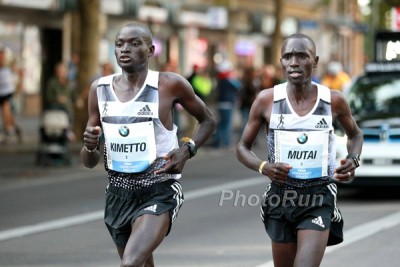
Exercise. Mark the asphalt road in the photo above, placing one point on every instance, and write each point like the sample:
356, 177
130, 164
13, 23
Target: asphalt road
53, 217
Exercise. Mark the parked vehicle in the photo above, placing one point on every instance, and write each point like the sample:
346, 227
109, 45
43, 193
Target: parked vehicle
374, 99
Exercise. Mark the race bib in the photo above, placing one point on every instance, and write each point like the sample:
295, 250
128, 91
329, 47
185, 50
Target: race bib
131, 148
306, 152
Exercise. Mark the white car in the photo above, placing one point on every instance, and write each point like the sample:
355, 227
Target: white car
374, 99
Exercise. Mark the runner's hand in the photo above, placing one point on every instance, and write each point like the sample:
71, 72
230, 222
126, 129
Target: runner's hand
277, 172
176, 161
91, 137
345, 172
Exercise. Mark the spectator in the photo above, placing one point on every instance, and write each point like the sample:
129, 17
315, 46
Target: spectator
60, 93
202, 86
7, 90
268, 76
201, 82
335, 78
73, 65
250, 88
228, 88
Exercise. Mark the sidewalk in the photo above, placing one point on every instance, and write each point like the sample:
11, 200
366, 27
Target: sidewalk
30, 131
18, 161
30, 128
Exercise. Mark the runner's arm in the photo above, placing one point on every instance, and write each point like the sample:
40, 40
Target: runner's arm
90, 154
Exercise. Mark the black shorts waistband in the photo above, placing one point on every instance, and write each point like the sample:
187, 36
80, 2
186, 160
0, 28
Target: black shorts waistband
310, 189
140, 193
291, 183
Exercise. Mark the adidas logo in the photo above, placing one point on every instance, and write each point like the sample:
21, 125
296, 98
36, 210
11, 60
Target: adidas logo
318, 221
322, 124
152, 208
145, 111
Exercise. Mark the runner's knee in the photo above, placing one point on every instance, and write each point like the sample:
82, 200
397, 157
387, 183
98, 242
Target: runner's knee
132, 261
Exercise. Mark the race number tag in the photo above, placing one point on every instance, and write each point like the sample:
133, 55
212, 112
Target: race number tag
131, 148
306, 152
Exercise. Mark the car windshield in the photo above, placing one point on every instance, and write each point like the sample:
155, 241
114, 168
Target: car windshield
375, 97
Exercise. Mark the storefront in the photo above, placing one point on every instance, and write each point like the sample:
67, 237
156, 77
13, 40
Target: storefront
30, 37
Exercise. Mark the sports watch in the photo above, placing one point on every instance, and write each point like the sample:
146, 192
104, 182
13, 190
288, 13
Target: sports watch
190, 144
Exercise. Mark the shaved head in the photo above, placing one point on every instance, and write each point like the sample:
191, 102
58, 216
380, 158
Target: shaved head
311, 43
146, 33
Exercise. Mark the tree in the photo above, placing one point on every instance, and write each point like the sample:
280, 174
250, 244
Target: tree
89, 14
277, 36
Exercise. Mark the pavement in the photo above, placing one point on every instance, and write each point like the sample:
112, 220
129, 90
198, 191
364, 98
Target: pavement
18, 160
31, 139
30, 131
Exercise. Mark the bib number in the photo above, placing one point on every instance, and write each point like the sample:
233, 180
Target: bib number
306, 152
131, 148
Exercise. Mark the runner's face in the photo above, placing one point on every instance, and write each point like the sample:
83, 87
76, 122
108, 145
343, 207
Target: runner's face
132, 48
298, 60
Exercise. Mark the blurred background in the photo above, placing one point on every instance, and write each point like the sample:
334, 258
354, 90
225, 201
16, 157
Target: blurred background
40, 33
51, 51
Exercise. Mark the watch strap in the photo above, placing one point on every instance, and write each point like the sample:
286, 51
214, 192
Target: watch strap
355, 158
190, 144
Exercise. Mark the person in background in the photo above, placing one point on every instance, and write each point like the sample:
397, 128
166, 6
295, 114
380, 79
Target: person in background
195, 69
298, 118
73, 69
7, 90
268, 76
200, 81
18, 97
202, 86
60, 94
143, 159
335, 78
250, 88
228, 88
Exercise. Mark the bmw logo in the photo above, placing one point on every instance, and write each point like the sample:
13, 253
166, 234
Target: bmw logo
123, 131
303, 138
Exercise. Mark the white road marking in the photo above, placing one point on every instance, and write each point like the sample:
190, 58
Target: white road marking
359, 232
98, 215
352, 235
50, 225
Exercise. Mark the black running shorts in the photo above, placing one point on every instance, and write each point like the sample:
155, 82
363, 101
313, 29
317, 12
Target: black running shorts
5, 98
124, 206
284, 211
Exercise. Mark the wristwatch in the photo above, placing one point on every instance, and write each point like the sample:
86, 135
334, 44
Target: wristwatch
355, 158
190, 144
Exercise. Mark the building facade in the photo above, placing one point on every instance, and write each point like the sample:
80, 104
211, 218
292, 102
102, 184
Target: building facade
40, 33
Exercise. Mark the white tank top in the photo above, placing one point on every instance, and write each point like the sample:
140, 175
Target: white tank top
134, 134
306, 142
7, 85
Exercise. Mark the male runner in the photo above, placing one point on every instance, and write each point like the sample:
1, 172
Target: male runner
298, 117
134, 111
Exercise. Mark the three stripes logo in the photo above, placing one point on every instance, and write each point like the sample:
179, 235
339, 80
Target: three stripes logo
145, 111
322, 124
